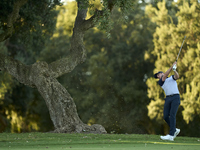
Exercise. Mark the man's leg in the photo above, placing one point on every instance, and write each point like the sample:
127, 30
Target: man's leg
174, 108
167, 108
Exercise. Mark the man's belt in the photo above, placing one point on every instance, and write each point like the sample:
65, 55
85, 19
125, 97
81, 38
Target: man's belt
171, 95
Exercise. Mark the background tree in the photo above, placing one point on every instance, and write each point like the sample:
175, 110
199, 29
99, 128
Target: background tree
27, 35
120, 63
167, 41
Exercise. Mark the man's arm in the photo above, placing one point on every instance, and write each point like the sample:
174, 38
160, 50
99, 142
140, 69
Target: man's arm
168, 72
176, 75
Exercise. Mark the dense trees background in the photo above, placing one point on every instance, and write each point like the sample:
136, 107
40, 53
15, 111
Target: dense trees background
20, 106
168, 38
115, 86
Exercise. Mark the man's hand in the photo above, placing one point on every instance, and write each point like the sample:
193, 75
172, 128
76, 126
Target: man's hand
176, 75
174, 66
174, 63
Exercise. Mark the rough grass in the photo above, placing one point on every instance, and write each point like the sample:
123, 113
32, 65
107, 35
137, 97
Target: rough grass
55, 141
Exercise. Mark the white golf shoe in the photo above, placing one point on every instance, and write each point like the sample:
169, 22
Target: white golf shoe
177, 132
167, 137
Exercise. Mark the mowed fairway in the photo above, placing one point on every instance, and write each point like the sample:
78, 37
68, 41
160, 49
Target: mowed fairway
55, 141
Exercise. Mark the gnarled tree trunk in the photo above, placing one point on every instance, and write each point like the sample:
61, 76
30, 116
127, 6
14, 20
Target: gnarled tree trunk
43, 76
61, 106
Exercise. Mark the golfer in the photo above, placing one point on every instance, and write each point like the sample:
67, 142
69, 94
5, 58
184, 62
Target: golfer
172, 100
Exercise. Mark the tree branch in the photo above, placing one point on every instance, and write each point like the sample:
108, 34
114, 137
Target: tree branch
15, 68
65, 65
81, 15
11, 20
78, 51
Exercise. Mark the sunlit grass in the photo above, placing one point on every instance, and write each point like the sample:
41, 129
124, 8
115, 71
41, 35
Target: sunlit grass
53, 141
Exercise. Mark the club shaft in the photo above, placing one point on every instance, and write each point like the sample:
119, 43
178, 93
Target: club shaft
180, 48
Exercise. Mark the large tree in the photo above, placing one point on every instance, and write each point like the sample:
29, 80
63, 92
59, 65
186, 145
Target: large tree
42, 75
119, 102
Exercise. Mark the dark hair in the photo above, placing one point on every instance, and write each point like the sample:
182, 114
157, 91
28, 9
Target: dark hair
155, 75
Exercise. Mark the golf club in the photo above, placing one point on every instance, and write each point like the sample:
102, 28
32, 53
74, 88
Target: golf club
180, 49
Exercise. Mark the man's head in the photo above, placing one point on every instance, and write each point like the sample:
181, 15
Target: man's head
158, 75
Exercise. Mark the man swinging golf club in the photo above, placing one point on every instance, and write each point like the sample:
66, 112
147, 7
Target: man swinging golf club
172, 100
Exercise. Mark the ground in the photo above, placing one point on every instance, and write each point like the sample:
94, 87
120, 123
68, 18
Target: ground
61, 141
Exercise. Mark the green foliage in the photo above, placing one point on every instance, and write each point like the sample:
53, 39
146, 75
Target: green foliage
21, 109
104, 22
189, 15
6, 84
64, 25
26, 110
33, 27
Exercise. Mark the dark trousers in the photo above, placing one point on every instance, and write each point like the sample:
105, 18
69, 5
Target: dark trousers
170, 109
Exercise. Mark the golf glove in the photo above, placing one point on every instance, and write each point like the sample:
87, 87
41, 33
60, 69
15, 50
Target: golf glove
174, 67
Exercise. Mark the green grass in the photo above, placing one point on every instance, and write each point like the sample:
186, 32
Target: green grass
55, 141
